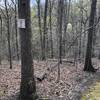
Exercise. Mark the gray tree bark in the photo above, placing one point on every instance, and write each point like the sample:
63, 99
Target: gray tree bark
8, 34
45, 30
88, 59
28, 85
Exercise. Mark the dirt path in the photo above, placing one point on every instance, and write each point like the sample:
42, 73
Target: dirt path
93, 92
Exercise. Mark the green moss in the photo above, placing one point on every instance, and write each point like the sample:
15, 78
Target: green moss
93, 93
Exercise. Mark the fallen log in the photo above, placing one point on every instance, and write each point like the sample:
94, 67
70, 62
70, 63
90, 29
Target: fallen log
40, 76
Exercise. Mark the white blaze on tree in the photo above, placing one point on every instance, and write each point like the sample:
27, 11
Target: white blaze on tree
21, 23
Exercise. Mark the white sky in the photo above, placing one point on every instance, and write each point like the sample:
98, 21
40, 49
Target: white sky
32, 2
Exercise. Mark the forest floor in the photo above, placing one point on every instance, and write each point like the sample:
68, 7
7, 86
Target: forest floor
73, 80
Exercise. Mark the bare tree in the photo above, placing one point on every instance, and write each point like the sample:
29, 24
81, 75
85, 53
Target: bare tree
50, 21
80, 28
28, 85
66, 20
8, 33
40, 28
16, 30
88, 62
45, 30
60, 17
0, 39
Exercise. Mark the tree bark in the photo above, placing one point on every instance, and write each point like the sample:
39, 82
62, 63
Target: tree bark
45, 30
80, 30
66, 20
60, 16
8, 34
0, 40
28, 85
16, 32
88, 59
50, 21
40, 29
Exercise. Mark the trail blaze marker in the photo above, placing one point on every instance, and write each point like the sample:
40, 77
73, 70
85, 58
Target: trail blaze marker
21, 23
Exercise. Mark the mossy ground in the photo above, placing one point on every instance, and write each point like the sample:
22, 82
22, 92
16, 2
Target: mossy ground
93, 93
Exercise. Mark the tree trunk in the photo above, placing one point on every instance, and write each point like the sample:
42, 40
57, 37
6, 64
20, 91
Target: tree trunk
88, 59
40, 30
0, 40
66, 20
16, 32
50, 21
45, 30
60, 16
8, 34
28, 85
80, 30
